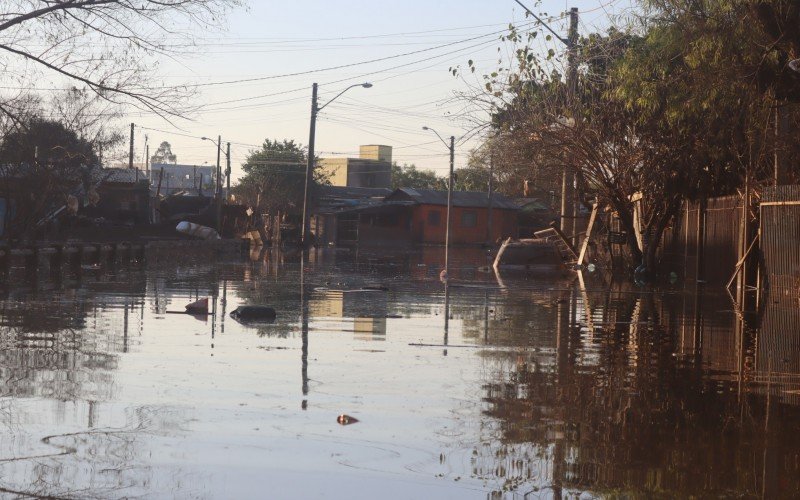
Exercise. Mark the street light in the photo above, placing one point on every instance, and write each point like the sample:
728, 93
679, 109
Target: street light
315, 109
452, 148
218, 190
218, 143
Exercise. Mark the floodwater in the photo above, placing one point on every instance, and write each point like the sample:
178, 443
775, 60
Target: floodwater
530, 386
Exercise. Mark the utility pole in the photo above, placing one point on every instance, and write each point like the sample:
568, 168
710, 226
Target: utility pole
312, 133
489, 232
219, 187
130, 153
449, 208
569, 202
147, 159
781, 137
309, 165
219, 171
228, 170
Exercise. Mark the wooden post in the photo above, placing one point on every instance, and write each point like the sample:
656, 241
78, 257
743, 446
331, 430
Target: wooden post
589, 228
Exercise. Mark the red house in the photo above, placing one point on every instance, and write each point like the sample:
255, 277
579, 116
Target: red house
469, 218
408, 217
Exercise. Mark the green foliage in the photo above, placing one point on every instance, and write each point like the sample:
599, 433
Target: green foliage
471, 178
274, 177
410, 177
164, 154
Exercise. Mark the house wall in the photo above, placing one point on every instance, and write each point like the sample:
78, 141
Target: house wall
386, 229
357, 172
123, 203
425, 231
335, 169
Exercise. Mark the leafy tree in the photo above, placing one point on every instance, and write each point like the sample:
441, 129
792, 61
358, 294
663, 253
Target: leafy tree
274, 177
471, 178
164, 154
411, 177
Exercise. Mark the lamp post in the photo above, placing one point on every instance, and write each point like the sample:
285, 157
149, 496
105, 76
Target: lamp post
218, 187
315, 109
452, 148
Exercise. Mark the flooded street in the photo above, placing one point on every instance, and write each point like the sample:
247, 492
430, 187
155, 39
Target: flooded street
518, 387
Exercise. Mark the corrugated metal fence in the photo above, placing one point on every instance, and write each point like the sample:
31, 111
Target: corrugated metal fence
712, 233
780, 238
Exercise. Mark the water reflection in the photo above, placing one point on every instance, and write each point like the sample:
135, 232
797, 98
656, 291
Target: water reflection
484, 388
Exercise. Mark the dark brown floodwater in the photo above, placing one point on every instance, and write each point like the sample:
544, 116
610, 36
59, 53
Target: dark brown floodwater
531, 387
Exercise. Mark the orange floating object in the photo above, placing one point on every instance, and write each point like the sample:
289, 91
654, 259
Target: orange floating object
198, 307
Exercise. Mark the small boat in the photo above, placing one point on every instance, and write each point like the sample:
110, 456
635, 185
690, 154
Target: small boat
548, 249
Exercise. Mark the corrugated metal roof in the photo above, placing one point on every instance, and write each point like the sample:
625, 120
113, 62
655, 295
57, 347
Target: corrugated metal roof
353, 192
119, 175
476, 199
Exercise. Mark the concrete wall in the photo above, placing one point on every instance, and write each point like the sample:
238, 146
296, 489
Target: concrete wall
335, 169
357, 172
376, 152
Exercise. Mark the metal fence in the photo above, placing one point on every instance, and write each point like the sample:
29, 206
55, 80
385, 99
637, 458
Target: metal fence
780, 238
710, 234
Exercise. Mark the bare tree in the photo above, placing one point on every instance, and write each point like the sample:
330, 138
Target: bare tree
107, 47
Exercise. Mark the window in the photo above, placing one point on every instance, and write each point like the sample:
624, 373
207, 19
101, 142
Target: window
434, 217
469, 219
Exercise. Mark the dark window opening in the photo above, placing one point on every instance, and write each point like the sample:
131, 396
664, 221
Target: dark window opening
434, 217
469, 219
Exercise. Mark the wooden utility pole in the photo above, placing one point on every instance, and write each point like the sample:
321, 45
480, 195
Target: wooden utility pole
228, 171
312, 131
489, 221
219, 187
781, 139
130, 153
569, 205
569, 202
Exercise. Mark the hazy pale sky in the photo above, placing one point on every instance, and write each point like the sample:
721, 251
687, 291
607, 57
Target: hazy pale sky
270, 39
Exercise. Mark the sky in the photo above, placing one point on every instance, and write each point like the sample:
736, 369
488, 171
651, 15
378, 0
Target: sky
404, 48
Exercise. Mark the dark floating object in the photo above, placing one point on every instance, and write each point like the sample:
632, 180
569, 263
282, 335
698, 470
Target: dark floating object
198, 307
254, 314
380, 288
346, 419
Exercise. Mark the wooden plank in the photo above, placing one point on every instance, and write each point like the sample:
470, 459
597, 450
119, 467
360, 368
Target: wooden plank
589, 228
779, 203
500, 253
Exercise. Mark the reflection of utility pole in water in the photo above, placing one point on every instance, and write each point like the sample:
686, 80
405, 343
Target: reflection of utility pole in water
446, 316
215, 294
125, 329
486, 316
224, 306
304, 329
564, 315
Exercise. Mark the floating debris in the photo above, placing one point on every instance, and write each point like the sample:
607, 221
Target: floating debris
346, 419
199, 307
254, 314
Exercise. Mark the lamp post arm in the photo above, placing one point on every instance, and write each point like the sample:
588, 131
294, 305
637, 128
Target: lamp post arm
319, 108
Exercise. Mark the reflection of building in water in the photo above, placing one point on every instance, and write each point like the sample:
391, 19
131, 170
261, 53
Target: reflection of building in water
367, 308
370, 328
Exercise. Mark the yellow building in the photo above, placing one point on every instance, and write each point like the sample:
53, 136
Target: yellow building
373, 168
